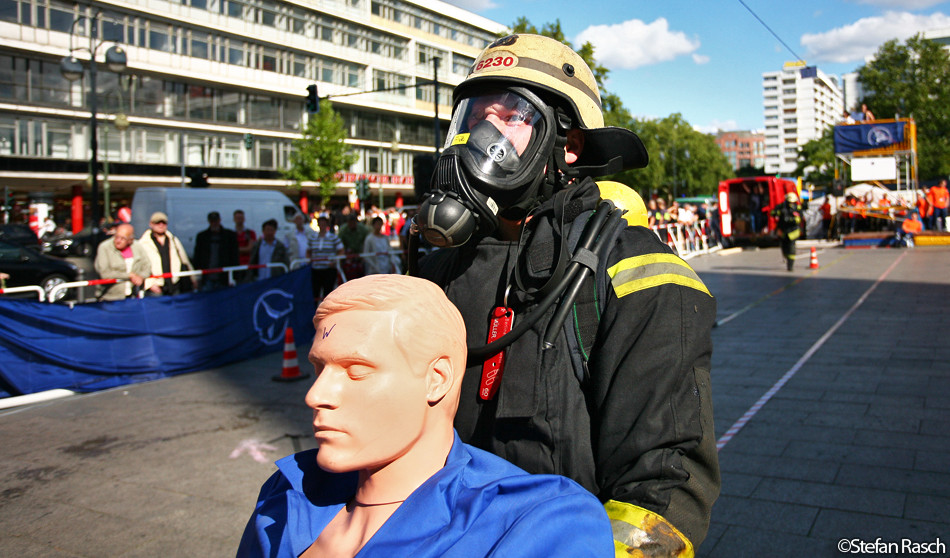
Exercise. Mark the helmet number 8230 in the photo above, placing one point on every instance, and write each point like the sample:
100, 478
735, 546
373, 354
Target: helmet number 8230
495, 61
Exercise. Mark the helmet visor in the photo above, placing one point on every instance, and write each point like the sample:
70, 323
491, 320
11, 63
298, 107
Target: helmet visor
497, 133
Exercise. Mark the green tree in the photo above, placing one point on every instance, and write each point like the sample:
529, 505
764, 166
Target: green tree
321, 152
554, 31
913, 80
816, 159
671, 142
683, 161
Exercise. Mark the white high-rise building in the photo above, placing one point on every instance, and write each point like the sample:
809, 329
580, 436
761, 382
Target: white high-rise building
220, 86
852, 91
799, 103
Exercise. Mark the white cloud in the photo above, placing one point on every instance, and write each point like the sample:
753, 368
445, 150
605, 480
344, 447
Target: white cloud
700, 58
633, 43
903, 4
473, 5
717, 126
861, 39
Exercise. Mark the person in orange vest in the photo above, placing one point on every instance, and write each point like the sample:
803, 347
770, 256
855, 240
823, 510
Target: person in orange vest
861, 214
910, 227
940, 199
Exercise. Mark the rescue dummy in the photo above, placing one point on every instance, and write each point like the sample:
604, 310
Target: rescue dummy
589, 339
390, 476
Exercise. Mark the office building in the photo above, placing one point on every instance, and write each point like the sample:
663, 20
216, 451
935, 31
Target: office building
218, 88
742, 148
799, 103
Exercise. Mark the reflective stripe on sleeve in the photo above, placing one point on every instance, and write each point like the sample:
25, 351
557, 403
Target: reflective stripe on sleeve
640, 532
652, 270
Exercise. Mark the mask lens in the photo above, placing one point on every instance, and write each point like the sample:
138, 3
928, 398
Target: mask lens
498, 129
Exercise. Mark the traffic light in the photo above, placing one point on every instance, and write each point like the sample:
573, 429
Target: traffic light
199, 178
313, 101
248, 141
362, 190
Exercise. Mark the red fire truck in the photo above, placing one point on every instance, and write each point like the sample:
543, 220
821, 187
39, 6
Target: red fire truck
745, 204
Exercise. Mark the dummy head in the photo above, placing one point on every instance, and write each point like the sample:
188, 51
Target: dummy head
388, 356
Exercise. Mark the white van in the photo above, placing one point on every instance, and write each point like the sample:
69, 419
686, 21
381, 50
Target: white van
188, 208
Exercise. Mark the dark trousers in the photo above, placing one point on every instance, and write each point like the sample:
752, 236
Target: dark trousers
938, 219
322, 281
788, 251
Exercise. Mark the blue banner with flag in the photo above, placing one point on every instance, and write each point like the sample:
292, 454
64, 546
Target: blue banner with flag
861, 137
96, 346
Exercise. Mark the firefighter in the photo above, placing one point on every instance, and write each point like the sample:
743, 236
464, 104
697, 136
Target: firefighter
788, 216
605, 378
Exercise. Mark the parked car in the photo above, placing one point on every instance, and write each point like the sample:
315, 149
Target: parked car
19, 234
27, 266
82, 244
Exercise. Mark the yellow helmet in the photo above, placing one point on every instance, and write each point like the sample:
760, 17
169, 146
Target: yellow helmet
626, 198
546, 65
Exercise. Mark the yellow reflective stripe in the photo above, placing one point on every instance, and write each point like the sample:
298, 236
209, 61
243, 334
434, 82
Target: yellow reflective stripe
652, 270
635, 528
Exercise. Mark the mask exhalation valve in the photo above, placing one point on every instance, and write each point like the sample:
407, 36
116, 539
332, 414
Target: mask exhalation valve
444, 220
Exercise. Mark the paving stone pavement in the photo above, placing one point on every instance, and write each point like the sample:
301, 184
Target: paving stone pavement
855, 446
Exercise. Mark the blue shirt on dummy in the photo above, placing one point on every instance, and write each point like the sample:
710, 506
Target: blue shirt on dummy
477, 505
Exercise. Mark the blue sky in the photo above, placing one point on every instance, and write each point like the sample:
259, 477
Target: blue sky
705, 58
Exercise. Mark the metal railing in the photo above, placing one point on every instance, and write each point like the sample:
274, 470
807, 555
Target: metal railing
338, 261
687, 241
191, 273
29, 288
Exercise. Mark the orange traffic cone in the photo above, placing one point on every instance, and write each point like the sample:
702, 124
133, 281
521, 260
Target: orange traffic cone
814, 259
291, 370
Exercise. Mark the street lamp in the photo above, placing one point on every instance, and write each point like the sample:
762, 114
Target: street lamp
72, 70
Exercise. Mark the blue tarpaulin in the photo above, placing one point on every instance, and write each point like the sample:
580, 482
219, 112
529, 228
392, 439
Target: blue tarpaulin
97, 346
860, 137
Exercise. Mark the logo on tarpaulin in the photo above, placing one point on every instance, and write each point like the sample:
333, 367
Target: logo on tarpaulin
272, 313
880, 136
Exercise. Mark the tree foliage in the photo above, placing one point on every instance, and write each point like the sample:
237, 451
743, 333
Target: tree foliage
913, 79
816, 159
682, 160
320, 153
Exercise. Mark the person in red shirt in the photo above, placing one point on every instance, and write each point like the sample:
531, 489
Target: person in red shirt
246, 239
940, 199
826, 217
924, 209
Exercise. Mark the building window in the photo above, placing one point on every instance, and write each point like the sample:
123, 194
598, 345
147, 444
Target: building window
198, 45
390, 80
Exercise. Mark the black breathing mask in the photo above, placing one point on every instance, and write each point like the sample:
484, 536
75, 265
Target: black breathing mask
494, 158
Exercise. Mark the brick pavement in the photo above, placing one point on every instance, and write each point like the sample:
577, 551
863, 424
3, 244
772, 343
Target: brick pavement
855, 445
